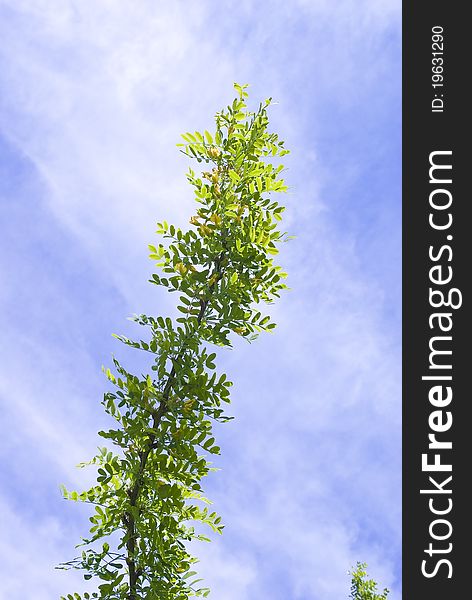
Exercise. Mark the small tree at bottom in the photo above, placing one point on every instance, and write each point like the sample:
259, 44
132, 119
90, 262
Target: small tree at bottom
363, 588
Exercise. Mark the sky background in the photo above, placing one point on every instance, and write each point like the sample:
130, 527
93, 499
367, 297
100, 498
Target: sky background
93, 98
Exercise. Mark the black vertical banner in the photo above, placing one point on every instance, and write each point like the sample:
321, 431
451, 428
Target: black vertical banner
437, 256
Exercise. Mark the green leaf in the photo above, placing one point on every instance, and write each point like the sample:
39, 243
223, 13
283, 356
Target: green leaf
148, 491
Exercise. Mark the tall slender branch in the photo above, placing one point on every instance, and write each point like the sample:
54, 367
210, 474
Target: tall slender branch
134, 491
149, 495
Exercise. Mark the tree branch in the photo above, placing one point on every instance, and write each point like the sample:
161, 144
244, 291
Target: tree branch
133, 493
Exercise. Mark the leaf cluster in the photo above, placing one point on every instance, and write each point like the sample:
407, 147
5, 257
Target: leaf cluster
363, 588
148, 501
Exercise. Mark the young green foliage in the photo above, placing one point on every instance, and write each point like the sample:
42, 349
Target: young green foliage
363, 588
148, 495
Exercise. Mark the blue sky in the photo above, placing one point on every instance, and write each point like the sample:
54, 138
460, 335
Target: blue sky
93, 98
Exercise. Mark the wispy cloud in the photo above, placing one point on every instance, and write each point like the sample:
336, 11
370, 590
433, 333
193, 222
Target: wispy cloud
94, 98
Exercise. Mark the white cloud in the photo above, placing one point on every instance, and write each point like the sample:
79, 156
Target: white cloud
29, 551
95, 96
